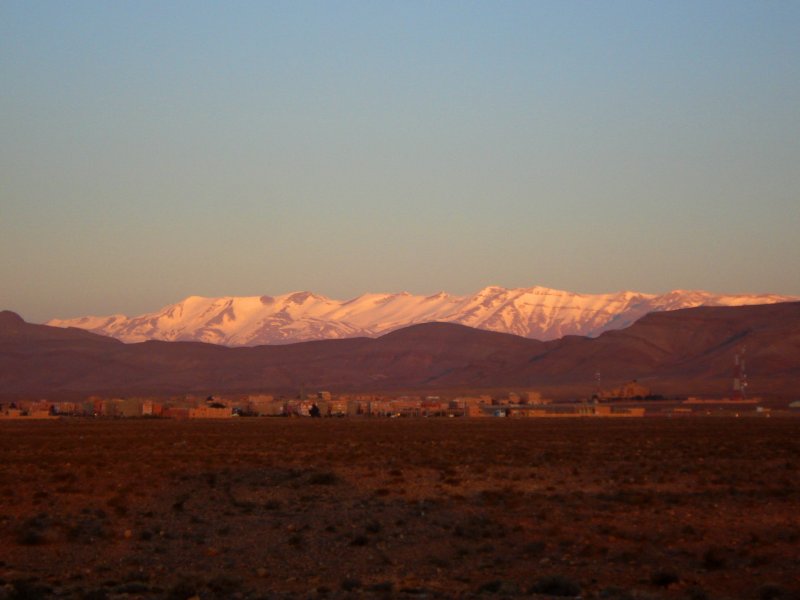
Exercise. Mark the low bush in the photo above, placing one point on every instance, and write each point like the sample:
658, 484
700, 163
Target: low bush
664, 578
556, 585
323, 478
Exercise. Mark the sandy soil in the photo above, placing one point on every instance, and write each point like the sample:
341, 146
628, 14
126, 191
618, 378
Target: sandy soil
640, 508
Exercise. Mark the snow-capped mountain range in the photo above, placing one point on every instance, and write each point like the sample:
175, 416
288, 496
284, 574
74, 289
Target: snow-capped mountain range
536, 312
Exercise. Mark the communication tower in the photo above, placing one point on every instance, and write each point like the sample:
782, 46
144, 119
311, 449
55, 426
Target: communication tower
598, 388
739, 376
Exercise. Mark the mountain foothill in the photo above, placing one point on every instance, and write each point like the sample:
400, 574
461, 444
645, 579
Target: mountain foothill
678, 352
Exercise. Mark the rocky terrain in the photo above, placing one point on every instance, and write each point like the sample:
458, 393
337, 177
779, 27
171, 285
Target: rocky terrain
417, 508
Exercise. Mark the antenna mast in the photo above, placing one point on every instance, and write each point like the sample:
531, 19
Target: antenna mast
739, 376
598, 389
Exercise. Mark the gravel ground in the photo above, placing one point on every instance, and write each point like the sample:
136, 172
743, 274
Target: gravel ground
413, 508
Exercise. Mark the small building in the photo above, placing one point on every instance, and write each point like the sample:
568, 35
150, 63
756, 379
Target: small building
357, 407
473, 405
475, 410
337, 408
534, 397
39, 413
175, 412
109, 407
628, 391
210, 412
260, 404
12, 413
578, 411
129, 407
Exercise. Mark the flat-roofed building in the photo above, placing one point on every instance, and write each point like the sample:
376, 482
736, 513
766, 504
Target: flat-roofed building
210, 412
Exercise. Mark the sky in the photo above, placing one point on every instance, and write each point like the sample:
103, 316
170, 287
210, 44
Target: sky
150, 151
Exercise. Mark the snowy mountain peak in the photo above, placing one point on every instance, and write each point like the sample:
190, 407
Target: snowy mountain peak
535, 312
492, 290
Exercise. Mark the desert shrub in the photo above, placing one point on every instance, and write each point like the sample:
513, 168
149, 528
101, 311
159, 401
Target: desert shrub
789, 534
350, 584
224, 586
714, 559
244, 506
88, 529
491, 587
134, 575
415, 591
759, 560
631, 497
664, 578
498, 586
145, 535
373, 527
63, 477
615, 593
118, 502
534, 548
771, 591
478, 527
324, 478
177, 506
32, 532
132, 587
556, 585
29, 536
505, 496
696, 593
29, 589
385, 587
604, 529
182, 590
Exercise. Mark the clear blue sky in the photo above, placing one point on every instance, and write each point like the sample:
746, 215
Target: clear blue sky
153, 150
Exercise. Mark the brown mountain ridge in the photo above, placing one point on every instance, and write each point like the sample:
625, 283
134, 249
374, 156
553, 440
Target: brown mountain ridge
683, 352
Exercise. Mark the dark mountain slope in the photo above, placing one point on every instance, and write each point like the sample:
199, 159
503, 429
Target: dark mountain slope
686, 351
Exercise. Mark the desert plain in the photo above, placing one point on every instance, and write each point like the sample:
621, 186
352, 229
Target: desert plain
410, 508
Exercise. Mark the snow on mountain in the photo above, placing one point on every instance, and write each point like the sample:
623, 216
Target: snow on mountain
536, 312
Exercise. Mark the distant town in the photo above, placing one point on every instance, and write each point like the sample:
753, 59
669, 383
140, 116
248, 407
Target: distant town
629, 400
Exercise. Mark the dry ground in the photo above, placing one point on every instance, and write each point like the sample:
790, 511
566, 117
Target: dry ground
640, 508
